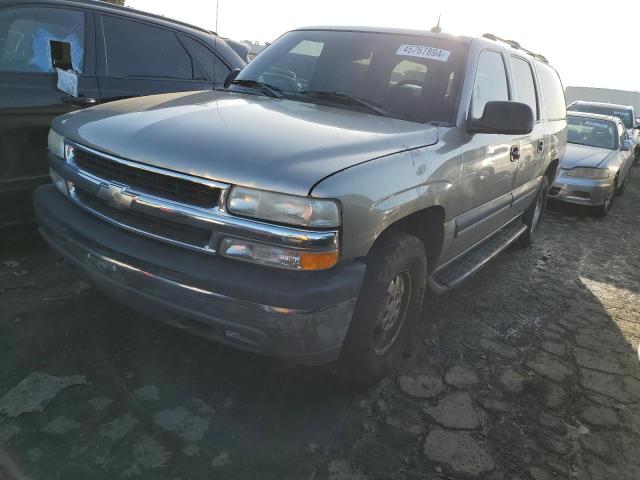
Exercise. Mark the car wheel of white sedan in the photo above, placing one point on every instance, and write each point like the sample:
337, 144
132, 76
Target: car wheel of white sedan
604, 209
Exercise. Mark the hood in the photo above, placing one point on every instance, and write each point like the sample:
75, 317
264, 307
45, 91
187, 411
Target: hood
256, 141
584, 156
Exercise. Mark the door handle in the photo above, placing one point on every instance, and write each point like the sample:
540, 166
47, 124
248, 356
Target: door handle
79, 101
515, 153
540, 146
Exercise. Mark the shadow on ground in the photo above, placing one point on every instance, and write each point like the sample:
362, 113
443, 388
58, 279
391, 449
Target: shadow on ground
528, 371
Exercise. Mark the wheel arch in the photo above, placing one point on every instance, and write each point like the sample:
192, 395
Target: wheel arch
427, 225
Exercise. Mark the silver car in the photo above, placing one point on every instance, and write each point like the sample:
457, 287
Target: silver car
625, 113
304, 211
597, 162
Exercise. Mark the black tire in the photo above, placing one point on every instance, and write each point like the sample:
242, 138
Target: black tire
604, 209
371, 351
533, 215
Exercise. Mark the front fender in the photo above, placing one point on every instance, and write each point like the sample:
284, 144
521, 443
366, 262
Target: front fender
377, 194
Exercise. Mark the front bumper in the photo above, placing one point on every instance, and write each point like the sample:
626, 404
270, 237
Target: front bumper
300, 316
581, 191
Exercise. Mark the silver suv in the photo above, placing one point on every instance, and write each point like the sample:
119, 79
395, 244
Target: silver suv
304, 211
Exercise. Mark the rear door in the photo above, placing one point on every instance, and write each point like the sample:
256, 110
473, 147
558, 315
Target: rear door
29, 98
137, 58
532, 146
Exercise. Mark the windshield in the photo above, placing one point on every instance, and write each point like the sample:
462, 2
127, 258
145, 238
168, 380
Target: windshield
592, 132
412, 78
625, 115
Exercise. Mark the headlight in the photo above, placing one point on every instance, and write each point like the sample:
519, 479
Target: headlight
276, 256
585, 172
281, 208
56, 143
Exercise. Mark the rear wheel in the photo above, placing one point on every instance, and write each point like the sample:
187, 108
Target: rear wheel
389, 305
533, 215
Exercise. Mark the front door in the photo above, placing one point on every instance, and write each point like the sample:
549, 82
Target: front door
489, 161
29, 98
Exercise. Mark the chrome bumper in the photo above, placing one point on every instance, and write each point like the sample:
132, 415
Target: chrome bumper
304, 335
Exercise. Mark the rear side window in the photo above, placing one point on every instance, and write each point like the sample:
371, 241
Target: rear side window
26, 35
525, 84
554, 100
207, 65
490, 83
134, 49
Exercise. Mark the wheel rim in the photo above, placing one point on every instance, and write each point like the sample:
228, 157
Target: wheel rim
537, 213
608, 199
394, 312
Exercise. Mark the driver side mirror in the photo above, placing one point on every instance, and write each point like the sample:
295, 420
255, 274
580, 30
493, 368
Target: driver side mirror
627, 145
505, 118
231, 77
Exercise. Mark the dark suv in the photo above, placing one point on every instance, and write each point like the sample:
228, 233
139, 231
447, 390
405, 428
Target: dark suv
117, 52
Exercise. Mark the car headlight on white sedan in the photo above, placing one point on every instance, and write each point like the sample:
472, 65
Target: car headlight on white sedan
588, 172
283, 208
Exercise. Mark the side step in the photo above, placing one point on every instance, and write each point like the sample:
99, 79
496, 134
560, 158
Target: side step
455, 272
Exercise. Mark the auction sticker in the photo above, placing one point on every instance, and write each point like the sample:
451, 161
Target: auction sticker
430, 53
596, 124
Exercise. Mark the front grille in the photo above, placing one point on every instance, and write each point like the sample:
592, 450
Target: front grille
194, 236
145, 181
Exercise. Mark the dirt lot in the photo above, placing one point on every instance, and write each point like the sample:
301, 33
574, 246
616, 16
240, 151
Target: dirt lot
529, 371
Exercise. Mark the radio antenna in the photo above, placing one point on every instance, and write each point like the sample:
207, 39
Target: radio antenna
437, 28
215, 40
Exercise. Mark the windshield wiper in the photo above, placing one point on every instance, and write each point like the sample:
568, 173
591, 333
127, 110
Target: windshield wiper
270, 90
346, 99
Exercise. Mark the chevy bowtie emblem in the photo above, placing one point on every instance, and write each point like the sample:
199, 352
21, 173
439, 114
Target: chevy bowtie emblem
116, 196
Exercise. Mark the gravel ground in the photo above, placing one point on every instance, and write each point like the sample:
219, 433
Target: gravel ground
528, 371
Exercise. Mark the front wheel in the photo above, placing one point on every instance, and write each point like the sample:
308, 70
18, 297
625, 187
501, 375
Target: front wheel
604, 209
389, 304
533, 215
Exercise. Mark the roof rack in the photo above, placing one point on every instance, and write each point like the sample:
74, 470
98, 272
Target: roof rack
516, 45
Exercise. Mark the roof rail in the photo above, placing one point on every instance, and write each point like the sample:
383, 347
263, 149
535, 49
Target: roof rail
125, 8
516, 45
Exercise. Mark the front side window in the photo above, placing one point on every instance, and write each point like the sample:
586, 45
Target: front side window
525, 84
135, 49
490, 83
207, 65
592, 132
407, 77
26, 35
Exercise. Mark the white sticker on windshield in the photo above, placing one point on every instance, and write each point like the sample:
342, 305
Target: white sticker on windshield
596, 124
430, 53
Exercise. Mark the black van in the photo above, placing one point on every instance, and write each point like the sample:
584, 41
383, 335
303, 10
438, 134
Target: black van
115, 52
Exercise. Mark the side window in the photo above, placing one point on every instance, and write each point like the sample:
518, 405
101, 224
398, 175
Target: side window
553, 92
207, 65
135, 49
490, 83
26, 35
525, 84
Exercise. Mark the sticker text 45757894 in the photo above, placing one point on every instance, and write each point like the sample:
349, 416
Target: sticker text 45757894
430, 53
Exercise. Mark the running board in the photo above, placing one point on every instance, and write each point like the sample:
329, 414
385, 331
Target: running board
455, 272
